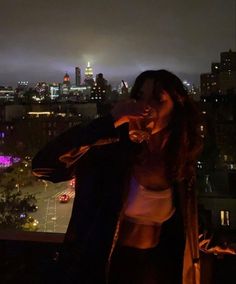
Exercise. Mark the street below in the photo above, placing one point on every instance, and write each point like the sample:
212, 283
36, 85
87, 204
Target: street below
52, 215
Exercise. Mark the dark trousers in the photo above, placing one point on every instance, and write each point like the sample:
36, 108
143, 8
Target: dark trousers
160, 265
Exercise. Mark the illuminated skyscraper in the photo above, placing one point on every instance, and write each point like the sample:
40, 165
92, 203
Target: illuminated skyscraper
66, 80
77, 76
89, 75
88, 71
66, 84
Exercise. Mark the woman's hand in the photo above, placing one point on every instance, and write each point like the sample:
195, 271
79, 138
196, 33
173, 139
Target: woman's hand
125, 110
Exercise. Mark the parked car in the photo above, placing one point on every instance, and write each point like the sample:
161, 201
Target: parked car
64, 198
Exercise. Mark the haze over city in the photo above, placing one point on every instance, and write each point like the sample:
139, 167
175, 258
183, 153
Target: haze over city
42, 40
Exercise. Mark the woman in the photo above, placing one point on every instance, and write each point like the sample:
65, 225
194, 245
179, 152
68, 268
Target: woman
134, 217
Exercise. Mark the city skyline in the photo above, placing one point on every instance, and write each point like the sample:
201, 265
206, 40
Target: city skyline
41, 41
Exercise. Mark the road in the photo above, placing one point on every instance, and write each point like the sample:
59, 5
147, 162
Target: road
52, 215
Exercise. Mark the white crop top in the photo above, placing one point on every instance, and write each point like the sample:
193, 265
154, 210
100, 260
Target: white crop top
148, 207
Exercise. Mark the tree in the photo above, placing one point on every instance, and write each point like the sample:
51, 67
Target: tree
14, 205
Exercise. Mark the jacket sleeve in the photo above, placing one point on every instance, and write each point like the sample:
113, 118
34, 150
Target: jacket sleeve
55, 161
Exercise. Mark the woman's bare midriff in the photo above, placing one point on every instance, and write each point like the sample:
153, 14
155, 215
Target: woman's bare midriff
138, 235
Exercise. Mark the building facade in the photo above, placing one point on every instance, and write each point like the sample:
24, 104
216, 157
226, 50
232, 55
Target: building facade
222, 78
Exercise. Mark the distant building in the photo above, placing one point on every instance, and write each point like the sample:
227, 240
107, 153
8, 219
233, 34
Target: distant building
88, 80
77, 76
28, 127
54, 90
42, 88
66, 80
217, 164
22, 87
219, 125
66, 84
100, 89
227, 75
9, 112
123, 88
7, 93
222, 78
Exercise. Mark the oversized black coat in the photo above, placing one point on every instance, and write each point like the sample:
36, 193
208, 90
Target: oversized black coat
100, 157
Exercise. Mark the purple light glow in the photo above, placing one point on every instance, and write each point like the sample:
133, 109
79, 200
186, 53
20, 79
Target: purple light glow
7, 161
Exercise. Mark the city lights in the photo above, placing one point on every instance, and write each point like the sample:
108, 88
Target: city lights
7, 161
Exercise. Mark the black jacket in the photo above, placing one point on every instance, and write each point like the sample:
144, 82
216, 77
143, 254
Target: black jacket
101, 174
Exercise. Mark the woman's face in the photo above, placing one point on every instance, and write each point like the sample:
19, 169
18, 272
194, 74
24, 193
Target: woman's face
162, 105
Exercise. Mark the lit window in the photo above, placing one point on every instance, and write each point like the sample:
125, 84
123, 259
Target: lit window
231, 167
224, 218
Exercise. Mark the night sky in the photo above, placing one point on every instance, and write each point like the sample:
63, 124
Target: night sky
41, 40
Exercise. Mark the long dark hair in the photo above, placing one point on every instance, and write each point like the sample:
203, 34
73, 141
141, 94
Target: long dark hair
185, 143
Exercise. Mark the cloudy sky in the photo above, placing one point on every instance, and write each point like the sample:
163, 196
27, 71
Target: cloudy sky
41, 40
